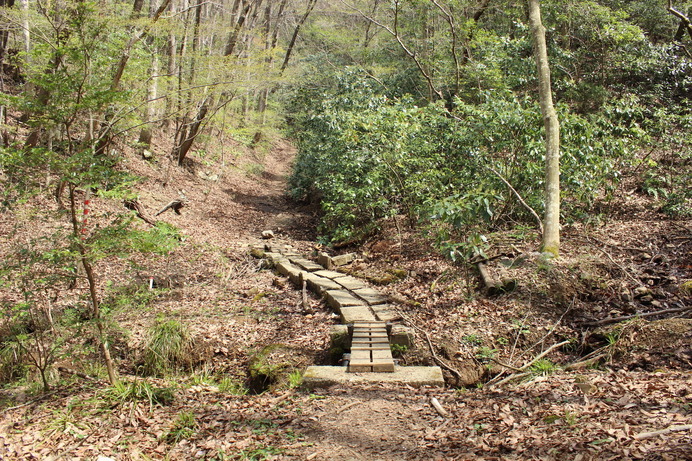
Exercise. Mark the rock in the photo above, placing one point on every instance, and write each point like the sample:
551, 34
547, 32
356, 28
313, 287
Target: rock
342, 260
208, 176
279, 283
640, 291
324, 260
401, 335
339, 337
147, 154
268, 234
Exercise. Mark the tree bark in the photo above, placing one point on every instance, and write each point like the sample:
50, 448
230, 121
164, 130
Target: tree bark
233, 37
296, 31
190, 132
684, 22
551, 218
91, 278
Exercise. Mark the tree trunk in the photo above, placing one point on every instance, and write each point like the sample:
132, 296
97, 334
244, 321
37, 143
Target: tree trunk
93, 296
189, 132
233, 37
551, 219
294, 37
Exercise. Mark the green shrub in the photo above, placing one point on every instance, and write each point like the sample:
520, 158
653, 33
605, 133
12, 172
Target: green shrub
169, 347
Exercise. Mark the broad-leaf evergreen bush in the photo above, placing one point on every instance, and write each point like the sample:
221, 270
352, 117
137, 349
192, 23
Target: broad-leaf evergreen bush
366, 156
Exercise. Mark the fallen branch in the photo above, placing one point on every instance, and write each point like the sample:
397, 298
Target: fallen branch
509, 378
509, 367
437, 360
520, 372
584, 363
175, 205
625, 271
629, 317
492, 285
134, 205
347, 406
30, 402
80, 375
438, 407
544, 353
521, 200
668, 430
434, 355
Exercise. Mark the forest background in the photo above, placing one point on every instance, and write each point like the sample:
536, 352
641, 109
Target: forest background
410, 117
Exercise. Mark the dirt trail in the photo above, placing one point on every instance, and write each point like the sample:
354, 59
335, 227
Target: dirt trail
235, 308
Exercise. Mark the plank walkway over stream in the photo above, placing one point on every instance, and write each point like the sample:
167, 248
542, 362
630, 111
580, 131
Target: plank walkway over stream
368, 316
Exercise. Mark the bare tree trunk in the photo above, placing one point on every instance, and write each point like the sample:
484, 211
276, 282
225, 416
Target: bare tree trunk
189, 132
551, 219
91, 278
171, 69
684, 22
25, 28
233, 37
296, 31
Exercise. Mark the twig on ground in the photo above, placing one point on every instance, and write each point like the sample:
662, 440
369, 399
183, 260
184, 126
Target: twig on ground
347, 406
668, 430
624, 271
81, 375
544, 353
584, 363
509, 367
519, 372
552, 328
438, 407
629, 317
509, 378
30, 402
437, 360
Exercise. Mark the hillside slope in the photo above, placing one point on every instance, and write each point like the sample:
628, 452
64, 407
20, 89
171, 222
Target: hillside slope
252, 332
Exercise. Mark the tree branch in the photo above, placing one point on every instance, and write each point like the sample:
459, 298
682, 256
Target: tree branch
521, 200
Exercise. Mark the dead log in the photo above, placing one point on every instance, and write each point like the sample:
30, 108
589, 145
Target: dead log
137, 207
629, 317
175, 205
494, 286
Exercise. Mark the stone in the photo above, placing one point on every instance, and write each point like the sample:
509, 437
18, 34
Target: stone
401, 335
325, 376
289, 270
338, 299
342, 260
267, 234
641, 291
324, 260
355, 314
646, 299
370, 296
350, 283
330, 274
320, 285
147, 154
385, 313
306, 264
339, 337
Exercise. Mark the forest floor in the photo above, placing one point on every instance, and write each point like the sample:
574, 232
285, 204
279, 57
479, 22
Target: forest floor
633, 400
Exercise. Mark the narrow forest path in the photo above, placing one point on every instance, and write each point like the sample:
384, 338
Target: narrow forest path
238, 311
